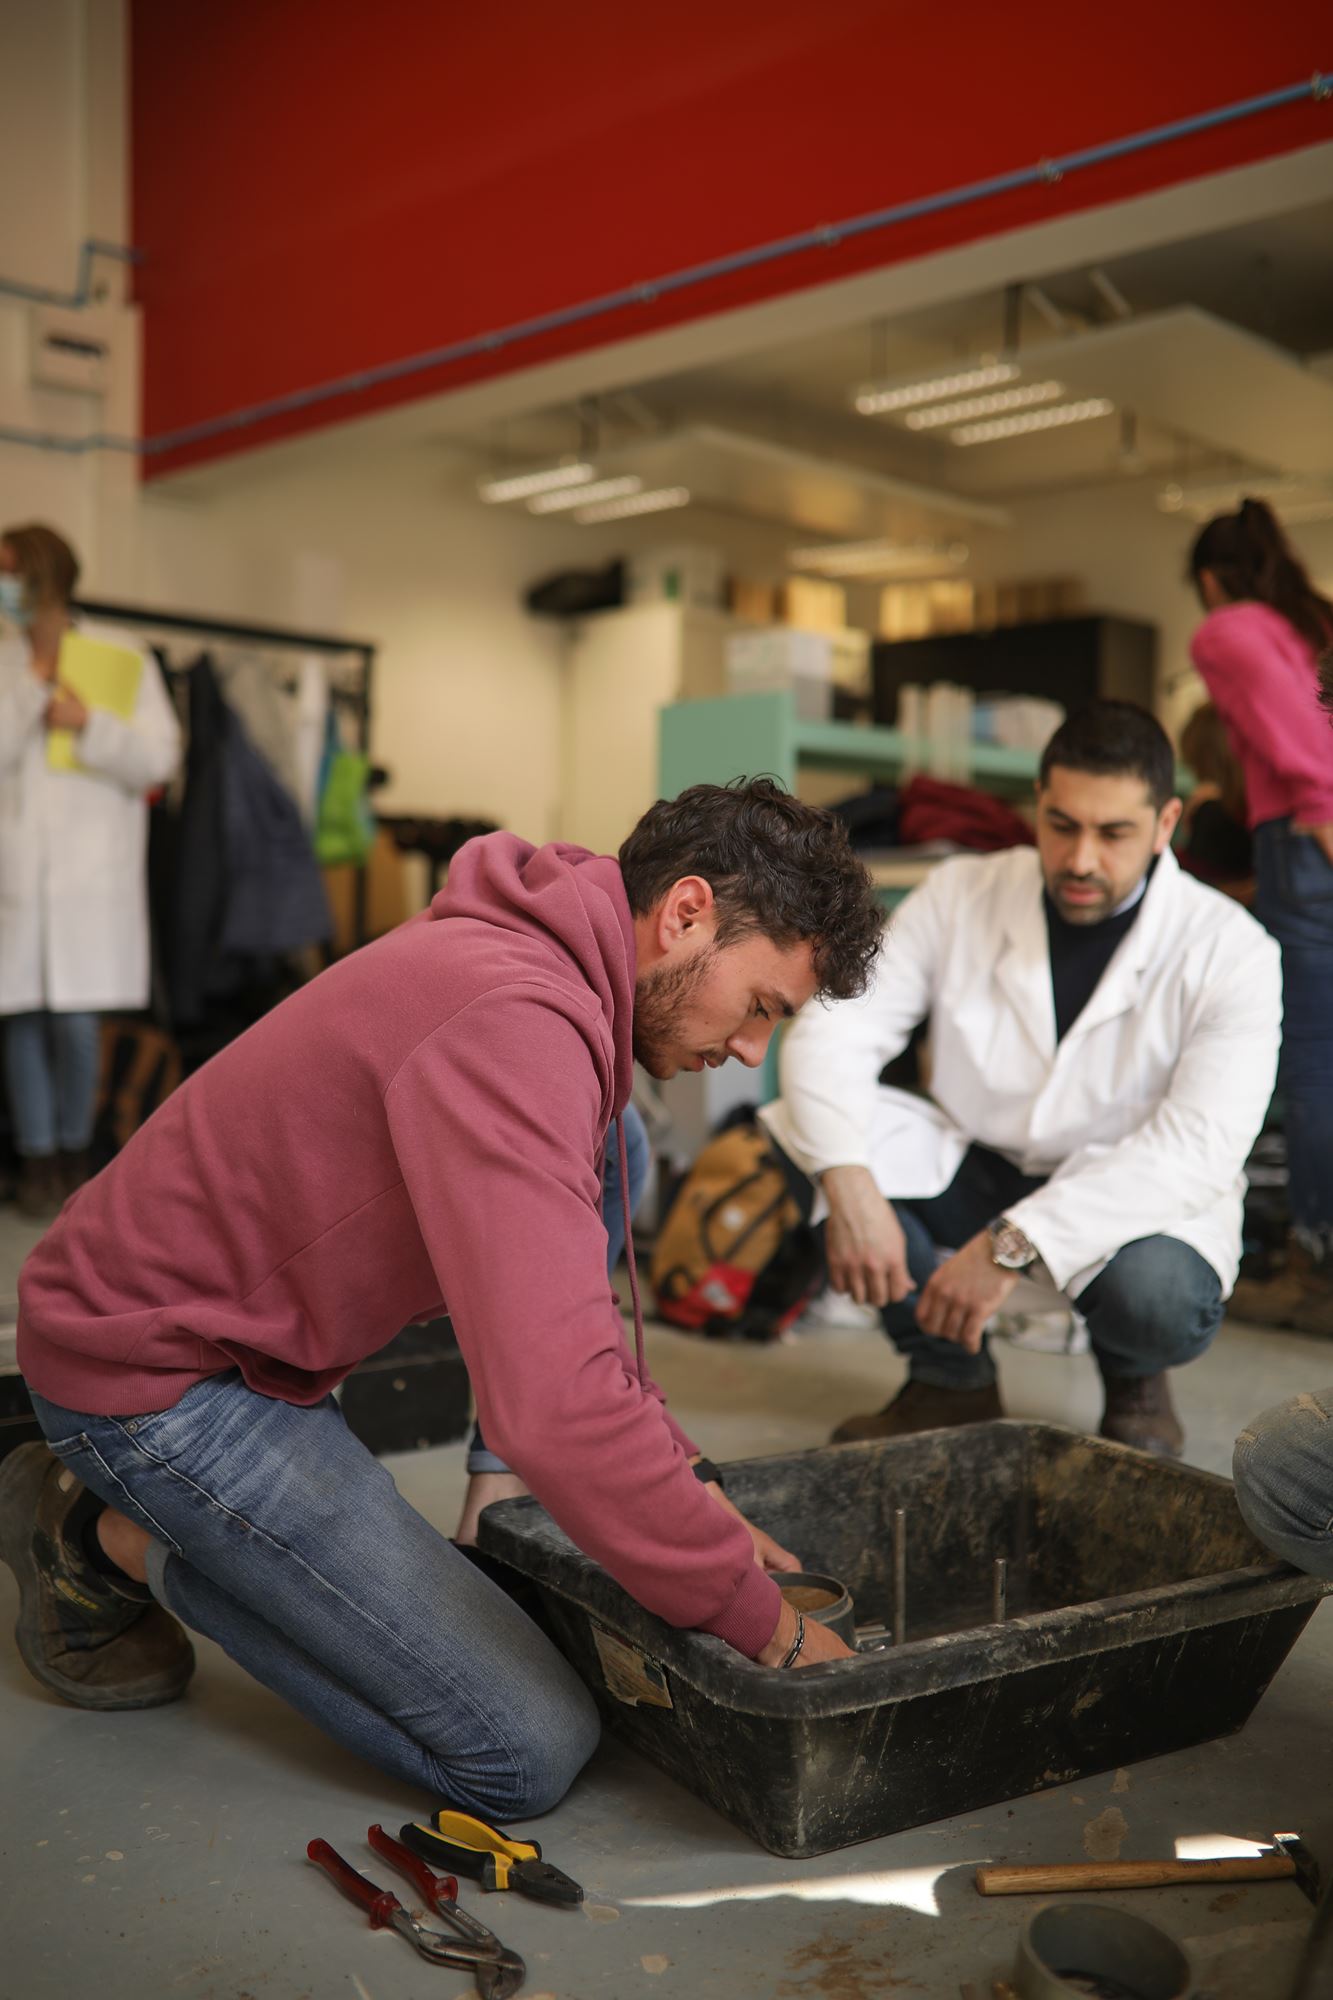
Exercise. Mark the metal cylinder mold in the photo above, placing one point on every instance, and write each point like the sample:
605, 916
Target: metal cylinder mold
1071, 1949
823, 1599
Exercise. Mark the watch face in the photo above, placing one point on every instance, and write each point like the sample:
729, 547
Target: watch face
1010, 1248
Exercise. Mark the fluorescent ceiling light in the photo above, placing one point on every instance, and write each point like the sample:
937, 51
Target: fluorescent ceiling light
879, 558
983, 406
1033, 420
875, 398
579, 496
524, 484
1294, 499
655, 502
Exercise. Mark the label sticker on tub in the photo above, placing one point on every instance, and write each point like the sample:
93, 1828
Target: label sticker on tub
630, 1675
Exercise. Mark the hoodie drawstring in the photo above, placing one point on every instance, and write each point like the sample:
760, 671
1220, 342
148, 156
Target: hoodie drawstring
623, 1162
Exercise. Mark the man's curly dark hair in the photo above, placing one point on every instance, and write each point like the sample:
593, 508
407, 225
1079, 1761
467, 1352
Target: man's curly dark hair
774, 865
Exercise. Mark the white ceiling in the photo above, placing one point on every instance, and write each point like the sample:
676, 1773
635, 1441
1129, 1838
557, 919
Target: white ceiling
1208, 377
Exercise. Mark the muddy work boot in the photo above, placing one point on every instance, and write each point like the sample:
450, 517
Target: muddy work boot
75, 1169
41, 1191
1299, 1299
96, 1642
921, 1406
1139, 1411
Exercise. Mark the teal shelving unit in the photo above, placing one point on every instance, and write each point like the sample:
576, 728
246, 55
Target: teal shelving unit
709, 742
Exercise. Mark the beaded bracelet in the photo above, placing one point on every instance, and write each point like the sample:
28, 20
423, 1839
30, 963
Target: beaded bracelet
793, 1651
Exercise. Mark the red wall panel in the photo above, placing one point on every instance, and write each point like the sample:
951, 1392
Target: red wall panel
319, 187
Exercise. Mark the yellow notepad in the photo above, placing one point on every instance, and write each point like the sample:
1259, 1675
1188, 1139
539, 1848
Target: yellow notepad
101, 676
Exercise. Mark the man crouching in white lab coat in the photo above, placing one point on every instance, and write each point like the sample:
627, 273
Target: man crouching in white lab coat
1103, 1038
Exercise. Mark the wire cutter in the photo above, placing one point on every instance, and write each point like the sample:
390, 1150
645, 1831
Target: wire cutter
469, 1846
497, 1971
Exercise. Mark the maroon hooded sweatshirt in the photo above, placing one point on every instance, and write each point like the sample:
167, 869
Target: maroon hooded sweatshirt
419, 1129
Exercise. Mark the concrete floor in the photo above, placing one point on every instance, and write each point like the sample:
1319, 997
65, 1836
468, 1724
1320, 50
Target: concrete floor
163, 1854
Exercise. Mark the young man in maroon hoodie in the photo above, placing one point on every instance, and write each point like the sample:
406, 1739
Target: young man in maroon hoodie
422, 1126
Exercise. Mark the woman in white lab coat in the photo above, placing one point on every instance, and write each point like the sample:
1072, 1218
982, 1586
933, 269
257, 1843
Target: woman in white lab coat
73, 893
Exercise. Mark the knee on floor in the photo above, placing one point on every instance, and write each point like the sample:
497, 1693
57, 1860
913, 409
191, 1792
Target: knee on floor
543, 1754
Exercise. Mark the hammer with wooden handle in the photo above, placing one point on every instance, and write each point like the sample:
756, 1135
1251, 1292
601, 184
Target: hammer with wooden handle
1289, 1858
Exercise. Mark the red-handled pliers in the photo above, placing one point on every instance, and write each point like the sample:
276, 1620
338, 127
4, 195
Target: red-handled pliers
497, 1971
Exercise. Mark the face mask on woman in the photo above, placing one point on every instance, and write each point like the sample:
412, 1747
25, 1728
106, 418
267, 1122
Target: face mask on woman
14, 599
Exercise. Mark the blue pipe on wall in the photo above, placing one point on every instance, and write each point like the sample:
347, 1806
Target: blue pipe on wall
1318, 88
92, 247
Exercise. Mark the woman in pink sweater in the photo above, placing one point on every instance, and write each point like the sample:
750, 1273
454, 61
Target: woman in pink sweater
1260, 651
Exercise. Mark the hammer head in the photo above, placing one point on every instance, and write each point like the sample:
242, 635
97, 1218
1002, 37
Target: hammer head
1307, 1868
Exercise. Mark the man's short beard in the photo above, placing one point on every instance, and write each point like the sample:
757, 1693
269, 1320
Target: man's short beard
661, 996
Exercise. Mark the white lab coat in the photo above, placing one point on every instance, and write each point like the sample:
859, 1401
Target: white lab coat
1144, 1114
73, 893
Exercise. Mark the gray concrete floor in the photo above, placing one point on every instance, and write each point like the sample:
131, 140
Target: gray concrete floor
162, 1854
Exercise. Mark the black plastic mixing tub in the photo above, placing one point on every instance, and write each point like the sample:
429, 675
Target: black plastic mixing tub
1142, 1617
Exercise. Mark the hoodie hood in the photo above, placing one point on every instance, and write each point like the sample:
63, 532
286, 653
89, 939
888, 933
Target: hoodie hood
566, 896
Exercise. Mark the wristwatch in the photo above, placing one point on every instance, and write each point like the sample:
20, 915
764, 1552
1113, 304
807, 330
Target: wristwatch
1009, 1247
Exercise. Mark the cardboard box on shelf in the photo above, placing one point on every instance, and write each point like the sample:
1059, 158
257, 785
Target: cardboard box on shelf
757, 603
812, 604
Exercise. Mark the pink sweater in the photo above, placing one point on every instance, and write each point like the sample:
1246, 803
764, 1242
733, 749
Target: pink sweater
1264, 682
419, 1127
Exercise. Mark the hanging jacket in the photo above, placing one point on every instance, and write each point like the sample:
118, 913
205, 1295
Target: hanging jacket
420, 1128
246, 888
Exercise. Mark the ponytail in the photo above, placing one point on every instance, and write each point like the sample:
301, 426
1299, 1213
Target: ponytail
1252, 560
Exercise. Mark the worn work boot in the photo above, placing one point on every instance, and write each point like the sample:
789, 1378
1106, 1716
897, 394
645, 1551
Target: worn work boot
75, 1169
41, 1191
97, 1645
921, 1406
1300, 1297
1139, 1411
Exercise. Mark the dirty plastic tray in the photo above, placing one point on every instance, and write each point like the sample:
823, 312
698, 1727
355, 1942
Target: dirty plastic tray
1142, 1617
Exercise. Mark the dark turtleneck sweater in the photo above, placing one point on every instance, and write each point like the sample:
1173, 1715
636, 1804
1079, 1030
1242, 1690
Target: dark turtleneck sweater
1080, 954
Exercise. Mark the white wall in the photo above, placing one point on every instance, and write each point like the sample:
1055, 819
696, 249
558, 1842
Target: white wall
468, 697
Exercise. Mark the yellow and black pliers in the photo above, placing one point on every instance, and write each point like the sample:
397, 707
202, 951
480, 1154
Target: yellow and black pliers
468, 1846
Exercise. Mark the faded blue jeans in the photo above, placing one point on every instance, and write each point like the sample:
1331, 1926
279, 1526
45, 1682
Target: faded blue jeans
1283, 1469
638, 1156
276, 1533
51, 1063
1294, 901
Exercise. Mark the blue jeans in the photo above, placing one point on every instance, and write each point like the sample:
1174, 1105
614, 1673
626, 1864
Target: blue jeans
1294, 902
51, 1063
1283, 1469
638, 1154
276, 1533
1157, 1303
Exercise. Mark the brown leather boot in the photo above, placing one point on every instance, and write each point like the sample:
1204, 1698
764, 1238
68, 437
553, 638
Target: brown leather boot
1300, 1297
1139, 1411
41, 1192
75, 1169
921, 1406
95, 1644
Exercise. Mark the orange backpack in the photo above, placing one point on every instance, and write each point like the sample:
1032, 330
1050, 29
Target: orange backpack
733, 1257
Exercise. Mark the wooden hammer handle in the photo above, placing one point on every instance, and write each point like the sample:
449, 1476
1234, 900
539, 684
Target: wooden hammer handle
1130, 1874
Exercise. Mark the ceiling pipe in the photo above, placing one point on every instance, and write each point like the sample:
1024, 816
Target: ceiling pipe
1318, 88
